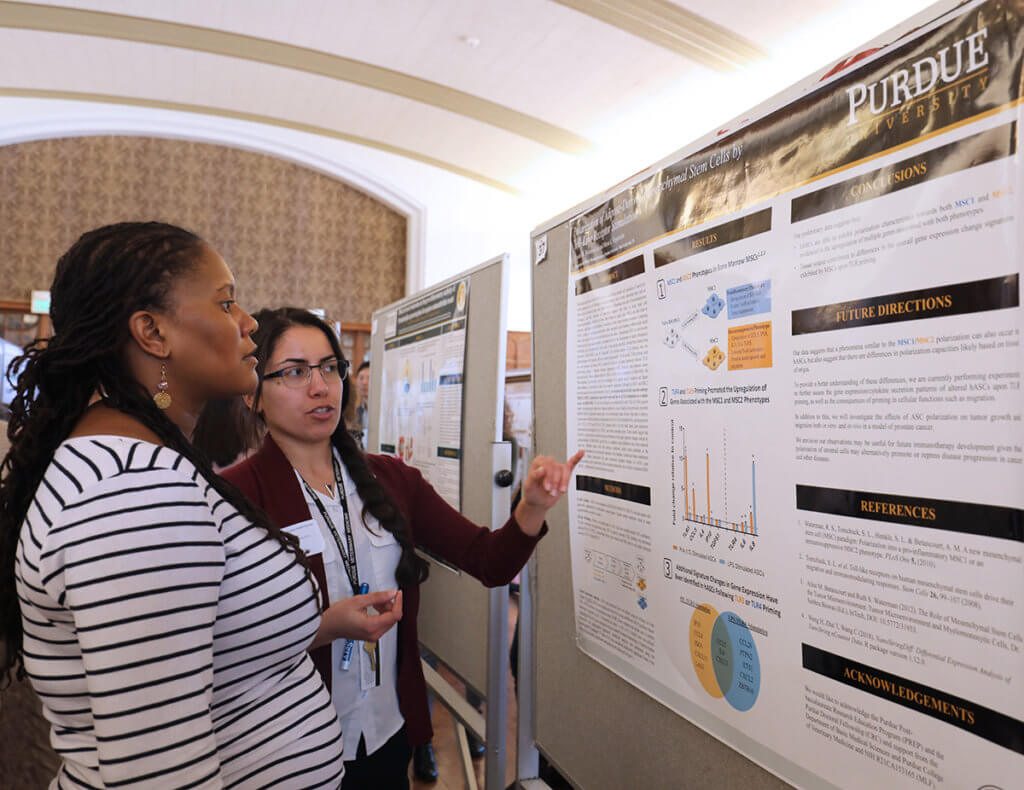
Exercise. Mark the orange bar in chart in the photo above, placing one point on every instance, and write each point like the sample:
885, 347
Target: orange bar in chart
707, 459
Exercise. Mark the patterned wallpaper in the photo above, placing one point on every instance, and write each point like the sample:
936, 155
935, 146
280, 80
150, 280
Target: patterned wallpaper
291, 235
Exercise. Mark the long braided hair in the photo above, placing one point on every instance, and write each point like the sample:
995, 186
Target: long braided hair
106, 276
412, 569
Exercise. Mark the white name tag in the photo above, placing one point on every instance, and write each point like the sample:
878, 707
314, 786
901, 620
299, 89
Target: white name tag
310, 538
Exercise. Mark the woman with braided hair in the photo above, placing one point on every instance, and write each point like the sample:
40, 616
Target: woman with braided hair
360, 517
162, 619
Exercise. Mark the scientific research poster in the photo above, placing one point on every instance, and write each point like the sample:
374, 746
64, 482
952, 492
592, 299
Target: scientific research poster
421, 400
794, 363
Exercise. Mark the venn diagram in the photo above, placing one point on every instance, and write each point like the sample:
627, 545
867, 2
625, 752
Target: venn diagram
724, 656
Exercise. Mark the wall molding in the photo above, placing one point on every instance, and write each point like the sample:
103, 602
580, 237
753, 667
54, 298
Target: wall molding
269, 120
676, 29
123, 27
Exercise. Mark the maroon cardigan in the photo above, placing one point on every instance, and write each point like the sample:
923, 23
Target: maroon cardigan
267, 478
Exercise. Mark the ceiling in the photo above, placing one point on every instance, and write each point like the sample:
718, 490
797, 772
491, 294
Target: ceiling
515, 94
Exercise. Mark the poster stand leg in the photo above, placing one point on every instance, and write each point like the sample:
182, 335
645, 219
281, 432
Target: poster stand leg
467, 761
497, 639
466, 717
527, 757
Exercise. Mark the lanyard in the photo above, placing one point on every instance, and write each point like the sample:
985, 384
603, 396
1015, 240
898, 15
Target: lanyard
348, 557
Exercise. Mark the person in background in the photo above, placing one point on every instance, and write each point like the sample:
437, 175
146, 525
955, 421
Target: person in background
350, 415
360, 518
219, 431
162, 619
8, 353
363, 408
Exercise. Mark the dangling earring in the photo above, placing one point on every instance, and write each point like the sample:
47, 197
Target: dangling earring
162, 399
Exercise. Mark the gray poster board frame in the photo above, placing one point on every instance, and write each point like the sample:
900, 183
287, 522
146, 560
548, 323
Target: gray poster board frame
598, 730
459, 620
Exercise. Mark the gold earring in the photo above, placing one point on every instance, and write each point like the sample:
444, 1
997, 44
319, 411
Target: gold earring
162, 399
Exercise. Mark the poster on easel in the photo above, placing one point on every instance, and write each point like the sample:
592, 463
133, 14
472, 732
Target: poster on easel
794, 363
422, 385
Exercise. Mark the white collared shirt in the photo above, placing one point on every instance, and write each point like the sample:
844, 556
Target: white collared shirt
364, 709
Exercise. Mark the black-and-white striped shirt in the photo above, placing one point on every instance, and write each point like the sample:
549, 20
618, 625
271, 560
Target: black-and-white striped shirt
164, 633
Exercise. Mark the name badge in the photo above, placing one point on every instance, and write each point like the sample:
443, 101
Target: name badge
310, 538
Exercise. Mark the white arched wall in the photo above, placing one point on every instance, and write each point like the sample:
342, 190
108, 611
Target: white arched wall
453, 223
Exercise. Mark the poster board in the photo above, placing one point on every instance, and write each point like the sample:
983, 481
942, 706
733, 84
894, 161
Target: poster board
454, 607
421, 391
753, 280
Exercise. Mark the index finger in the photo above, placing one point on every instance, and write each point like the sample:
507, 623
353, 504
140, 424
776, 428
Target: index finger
574, 460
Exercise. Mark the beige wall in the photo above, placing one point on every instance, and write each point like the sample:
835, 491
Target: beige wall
291, 235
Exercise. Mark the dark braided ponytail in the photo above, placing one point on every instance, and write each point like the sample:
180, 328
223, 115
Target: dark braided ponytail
107, 275
412, 569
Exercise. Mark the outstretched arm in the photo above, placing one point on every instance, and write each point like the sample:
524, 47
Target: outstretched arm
544, 485
493, 557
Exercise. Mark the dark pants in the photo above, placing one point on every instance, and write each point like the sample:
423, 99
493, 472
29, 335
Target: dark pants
385, 769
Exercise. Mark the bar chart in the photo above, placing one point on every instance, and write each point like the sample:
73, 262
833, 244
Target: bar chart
728, 500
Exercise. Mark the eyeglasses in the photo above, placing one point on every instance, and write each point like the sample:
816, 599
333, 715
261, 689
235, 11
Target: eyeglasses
298, 376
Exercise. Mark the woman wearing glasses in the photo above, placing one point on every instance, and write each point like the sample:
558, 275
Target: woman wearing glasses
359, 518
162, 619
